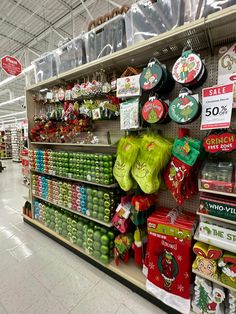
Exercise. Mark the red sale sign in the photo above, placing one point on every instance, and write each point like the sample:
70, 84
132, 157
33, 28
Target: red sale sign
11, 65
217, 104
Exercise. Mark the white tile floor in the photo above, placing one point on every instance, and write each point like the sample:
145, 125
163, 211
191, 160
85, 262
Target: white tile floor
37, 275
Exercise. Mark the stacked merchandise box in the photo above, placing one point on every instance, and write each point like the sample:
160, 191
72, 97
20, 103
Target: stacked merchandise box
17, 144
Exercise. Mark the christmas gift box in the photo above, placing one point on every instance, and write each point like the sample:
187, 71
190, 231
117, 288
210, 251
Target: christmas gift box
169, 257
208, 297
217, 206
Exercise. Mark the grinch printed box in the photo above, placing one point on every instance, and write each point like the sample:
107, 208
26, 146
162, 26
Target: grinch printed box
220, 235
223, 208
128, 86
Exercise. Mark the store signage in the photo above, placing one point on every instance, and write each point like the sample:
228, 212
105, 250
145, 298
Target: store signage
11, 65
218, 208
224, 142
217, 107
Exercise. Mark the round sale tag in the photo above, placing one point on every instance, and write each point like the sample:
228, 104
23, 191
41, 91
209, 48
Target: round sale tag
153, 111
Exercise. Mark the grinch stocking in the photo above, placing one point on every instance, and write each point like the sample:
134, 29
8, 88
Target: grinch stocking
178, 175
127, 152
153, 155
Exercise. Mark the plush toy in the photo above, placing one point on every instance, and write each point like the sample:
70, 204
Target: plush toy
228, 266
142, 206
208, 297
153, 156
127, 152
206, 260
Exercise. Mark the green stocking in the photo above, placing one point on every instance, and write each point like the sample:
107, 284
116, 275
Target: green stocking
153, 156
127, 152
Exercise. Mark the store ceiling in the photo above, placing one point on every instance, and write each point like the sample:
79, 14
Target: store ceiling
31, 27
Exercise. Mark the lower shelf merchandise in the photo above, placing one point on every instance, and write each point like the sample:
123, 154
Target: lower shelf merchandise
96, 240
95, 203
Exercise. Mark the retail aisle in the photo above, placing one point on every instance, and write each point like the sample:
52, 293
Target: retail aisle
40, 276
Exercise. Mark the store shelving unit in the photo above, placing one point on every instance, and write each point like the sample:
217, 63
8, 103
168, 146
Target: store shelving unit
231, 222
110, 186
127, 274
106, 224
5, 144
220, 244
213, 280
217, 192
17, 144
204, 34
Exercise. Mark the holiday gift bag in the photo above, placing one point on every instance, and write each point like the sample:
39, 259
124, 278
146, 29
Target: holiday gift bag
169, 262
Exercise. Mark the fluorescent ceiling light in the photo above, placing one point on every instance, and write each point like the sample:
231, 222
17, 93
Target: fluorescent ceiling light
12, 120
11, 101
12, 114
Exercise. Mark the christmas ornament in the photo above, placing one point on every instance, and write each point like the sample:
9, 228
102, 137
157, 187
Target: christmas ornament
189, 69
156, 77
155, 111
185, 108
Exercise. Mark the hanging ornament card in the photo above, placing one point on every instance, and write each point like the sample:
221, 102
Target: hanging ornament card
217, 104
227, 68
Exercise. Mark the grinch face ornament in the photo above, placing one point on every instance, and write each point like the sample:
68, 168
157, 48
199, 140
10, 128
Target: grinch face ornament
189, 69
184, 109
155, 111
156, 77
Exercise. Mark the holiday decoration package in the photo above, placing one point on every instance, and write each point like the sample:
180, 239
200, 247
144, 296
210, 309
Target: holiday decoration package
221, 234
217, 206
169, 256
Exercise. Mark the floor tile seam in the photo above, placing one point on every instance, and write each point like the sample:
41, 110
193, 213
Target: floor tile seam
84, 297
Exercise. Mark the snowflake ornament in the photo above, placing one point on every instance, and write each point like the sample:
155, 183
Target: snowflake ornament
180, 288
180, 258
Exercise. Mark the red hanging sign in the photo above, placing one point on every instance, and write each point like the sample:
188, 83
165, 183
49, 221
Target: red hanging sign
11, 65
224, 142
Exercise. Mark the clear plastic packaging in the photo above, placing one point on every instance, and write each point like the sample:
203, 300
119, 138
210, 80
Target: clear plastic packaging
146, 19
70, 55
217, 176
106, 38
196, 9
45, 67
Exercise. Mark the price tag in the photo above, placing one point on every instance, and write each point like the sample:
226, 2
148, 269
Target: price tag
217, 107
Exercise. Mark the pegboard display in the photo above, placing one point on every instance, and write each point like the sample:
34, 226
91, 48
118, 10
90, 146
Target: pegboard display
169, 130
